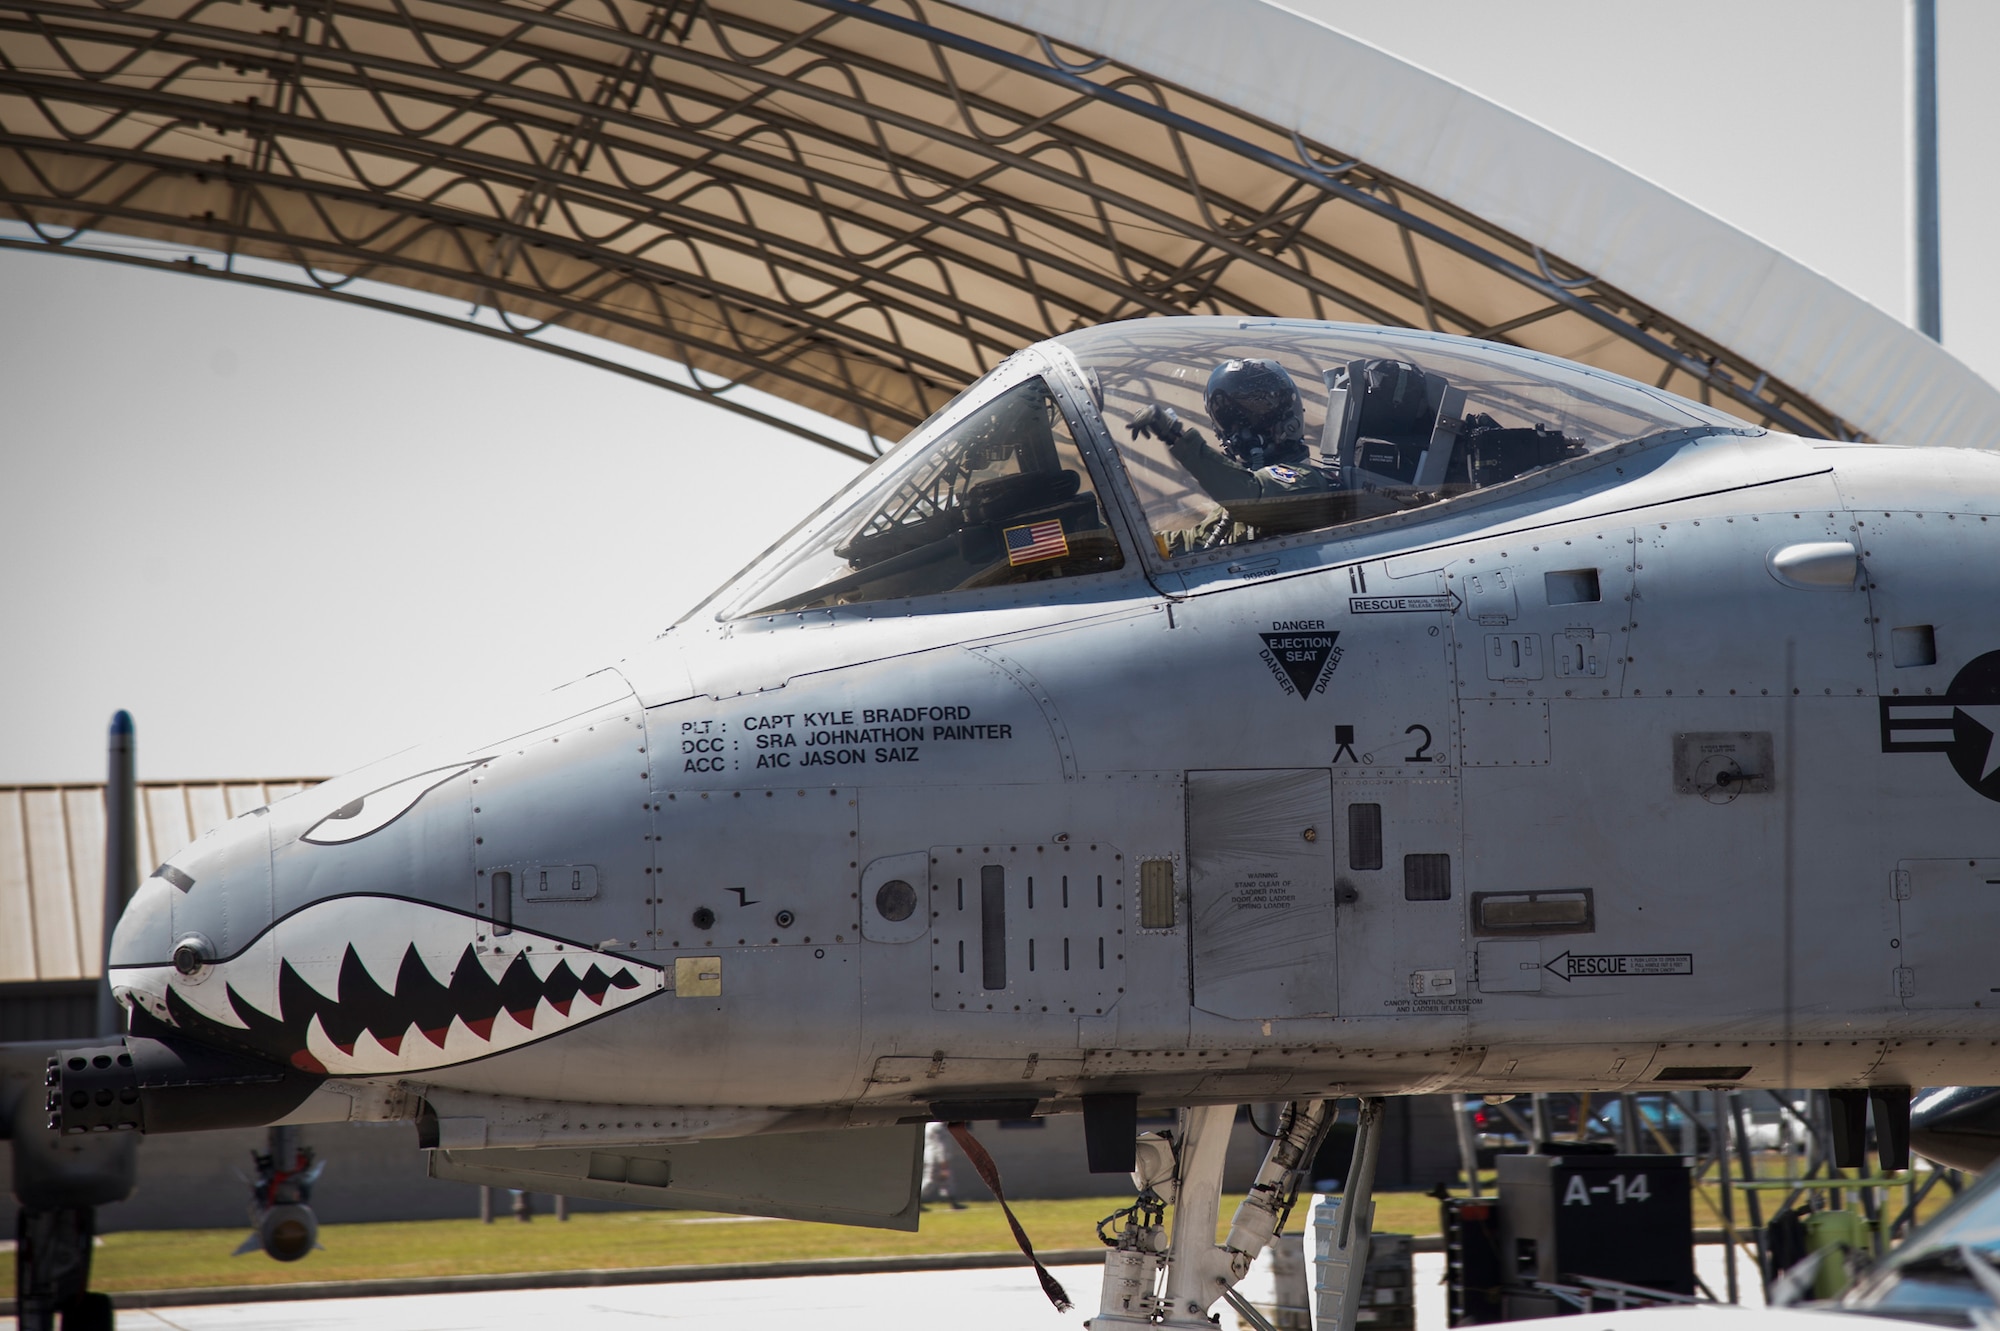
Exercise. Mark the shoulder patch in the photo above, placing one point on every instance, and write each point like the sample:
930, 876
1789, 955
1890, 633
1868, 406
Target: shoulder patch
1285, 475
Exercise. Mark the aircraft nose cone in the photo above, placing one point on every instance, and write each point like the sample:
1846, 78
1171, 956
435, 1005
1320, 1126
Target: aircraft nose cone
145, 932
198, 909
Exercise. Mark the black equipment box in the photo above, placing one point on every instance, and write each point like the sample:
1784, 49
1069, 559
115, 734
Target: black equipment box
1472, 1271
1628, 1218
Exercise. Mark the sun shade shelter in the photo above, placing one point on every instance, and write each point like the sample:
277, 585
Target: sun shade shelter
52, 886
858, 207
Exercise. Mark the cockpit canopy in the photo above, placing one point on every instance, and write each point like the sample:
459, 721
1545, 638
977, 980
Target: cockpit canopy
1394, 420
1191, 423
998, 494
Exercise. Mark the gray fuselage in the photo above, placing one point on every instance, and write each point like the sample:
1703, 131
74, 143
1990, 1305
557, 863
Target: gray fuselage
1568, 791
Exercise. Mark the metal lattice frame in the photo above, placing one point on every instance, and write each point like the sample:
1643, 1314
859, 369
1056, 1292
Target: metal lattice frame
856, 207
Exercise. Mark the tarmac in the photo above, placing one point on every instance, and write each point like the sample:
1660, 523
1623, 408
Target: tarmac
1006, 1299
998, 1299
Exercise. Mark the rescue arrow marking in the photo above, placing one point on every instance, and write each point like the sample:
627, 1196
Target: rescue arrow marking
1573, 967
1402, 605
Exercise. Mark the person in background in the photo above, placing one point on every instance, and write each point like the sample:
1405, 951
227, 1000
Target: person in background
937, 1168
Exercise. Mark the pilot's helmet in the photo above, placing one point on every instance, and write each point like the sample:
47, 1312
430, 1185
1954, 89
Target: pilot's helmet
1256, 410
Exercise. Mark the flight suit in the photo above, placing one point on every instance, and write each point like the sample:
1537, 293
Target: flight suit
1229, 482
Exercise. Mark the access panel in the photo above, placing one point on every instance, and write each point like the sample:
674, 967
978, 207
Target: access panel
757, 868
1402, 899
562, 835
1261, 892
1950, 913
1028, 928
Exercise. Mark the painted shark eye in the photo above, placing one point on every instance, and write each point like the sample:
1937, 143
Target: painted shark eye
376, 810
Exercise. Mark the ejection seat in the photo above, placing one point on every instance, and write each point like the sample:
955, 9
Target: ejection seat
1393, 429
1391, 426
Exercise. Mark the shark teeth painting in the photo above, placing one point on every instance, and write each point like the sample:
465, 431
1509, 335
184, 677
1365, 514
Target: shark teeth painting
367, 985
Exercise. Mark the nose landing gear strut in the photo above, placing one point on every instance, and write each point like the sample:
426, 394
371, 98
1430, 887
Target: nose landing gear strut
1151, 1283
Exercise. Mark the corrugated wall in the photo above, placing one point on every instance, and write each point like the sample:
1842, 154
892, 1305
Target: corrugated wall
52, 863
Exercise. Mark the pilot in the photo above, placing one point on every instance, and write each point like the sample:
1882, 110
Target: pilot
1256, 411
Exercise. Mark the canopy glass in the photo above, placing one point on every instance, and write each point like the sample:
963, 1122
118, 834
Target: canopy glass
1234, 430
999, 495
1229, 431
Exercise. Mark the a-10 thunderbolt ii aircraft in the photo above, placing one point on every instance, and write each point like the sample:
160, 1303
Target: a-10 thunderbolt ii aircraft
1192, 712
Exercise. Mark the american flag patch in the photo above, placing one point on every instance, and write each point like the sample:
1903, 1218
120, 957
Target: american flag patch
1036, 540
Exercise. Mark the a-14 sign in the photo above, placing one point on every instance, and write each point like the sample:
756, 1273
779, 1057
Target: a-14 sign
1617, 1192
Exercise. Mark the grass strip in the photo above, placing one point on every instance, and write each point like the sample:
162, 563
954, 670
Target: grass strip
597, 1240
199, 1258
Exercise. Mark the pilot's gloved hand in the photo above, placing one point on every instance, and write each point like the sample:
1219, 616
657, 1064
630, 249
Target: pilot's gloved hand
1157, 420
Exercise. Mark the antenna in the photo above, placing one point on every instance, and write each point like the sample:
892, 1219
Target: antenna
121, 856
1788, 784
1926, 296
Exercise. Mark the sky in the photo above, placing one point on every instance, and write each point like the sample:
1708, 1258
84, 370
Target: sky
292, 536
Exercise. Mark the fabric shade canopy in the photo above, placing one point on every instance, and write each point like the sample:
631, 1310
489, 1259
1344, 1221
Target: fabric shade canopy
859, 207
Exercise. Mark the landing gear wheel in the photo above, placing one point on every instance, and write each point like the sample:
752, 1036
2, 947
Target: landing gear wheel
88, 1312
52, 1267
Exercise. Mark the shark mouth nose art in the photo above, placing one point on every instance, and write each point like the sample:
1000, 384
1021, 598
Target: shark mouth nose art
365, 985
